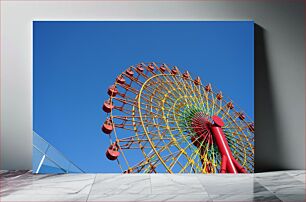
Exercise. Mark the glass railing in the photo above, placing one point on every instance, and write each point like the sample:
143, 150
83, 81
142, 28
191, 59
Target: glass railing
47, 159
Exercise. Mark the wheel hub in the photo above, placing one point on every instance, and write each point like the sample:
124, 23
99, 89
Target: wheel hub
201, 125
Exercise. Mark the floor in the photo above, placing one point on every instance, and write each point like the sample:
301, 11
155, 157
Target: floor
270, 186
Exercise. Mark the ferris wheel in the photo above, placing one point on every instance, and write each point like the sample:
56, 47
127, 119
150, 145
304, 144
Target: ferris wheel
159, 119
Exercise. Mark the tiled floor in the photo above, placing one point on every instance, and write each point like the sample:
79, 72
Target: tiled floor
272, 186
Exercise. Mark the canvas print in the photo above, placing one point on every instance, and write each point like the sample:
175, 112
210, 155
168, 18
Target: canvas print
143, 97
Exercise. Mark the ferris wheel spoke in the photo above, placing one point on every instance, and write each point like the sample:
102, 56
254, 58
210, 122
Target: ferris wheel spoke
214, 159
128, 87
180, 90
129, 100
141, 166
156, 121
158, 153
176, 143
168, 149
124, 100
150, 102
195, 152
149, 159
148, 112
183, 150
202, 102
241, 149
164, 88
169, 87
237, 144
189, 92
167, 158
157, 98
128, 118
126, 144
242, 152
189, 159
199, 99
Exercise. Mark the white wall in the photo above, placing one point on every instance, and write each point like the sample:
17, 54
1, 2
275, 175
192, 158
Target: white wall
279, 67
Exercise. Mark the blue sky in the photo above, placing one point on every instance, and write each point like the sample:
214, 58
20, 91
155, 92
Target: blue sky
75, 62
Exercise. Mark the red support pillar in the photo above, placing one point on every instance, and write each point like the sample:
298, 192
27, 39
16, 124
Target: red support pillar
239, 168
229, 164
223, 164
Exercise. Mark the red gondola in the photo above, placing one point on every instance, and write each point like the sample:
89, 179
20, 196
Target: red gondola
108, 106
197, 81
107, 127
112, 91
112, 152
